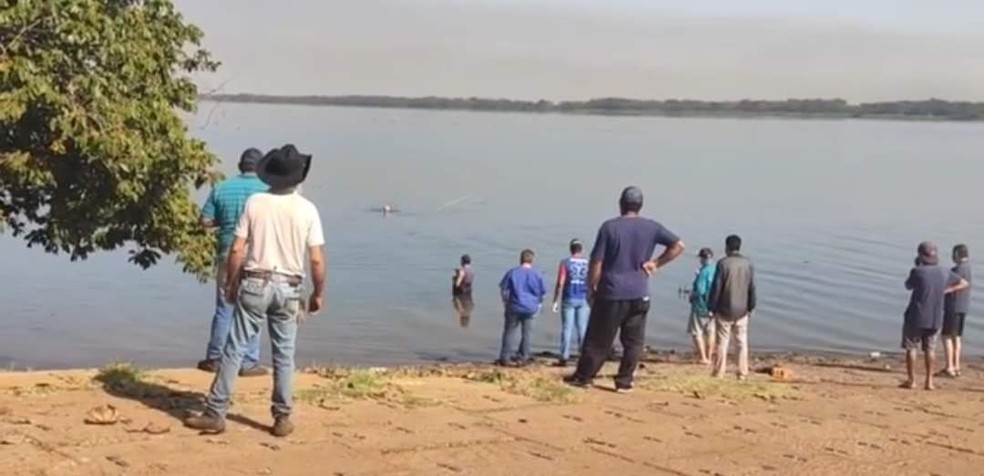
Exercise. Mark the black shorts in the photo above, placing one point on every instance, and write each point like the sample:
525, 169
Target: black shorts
953, 324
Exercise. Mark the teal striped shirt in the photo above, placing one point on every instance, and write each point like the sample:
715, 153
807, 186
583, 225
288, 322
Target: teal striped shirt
226, 203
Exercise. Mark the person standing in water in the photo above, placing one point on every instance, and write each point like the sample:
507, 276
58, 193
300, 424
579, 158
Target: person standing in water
461, 290
572, 280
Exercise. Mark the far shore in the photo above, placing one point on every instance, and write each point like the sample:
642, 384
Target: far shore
798, 414
821, 109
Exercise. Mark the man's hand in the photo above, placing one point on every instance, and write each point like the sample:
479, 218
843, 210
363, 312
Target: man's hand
650, 267
315, 303
556, 307
231, 292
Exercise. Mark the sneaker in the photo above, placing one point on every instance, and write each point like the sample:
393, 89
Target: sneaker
574, 381
561, 363
254, 371
623, 388
208, 365
282, 426
206, 423
501, 363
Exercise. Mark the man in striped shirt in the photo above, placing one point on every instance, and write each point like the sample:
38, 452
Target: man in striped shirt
221, 212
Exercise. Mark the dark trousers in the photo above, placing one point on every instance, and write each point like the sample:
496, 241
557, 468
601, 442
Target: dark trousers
627, 318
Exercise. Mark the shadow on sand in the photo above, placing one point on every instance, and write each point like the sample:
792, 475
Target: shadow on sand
124, 381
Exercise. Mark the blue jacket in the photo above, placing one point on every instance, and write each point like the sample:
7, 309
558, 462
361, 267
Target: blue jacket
523, 290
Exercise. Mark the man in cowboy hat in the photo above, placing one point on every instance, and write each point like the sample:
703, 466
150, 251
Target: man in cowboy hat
222, 211
264, 275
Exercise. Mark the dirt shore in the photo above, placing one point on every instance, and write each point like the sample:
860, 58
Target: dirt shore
818, 416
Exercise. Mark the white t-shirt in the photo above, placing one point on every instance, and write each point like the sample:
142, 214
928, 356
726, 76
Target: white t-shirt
278, 230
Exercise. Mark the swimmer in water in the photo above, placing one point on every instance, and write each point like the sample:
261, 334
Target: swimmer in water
461, 291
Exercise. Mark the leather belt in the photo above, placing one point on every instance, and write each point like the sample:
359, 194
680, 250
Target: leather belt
269, 276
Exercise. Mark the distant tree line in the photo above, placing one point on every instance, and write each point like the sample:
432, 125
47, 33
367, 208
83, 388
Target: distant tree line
927, 109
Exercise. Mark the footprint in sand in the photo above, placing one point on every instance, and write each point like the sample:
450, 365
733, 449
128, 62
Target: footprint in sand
449, 467
573, 418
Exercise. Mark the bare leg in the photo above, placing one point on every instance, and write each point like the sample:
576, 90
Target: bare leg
699, 350
948, 348
910, 368
711, 343
930, 360
957, 350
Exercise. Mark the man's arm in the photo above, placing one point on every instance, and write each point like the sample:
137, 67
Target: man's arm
561, 279
752, 296
504, 288
319, 269
716, 289
234, 266
459, 277
910, 282
669, 254
594, 278
208, 212
959, 286
598, 253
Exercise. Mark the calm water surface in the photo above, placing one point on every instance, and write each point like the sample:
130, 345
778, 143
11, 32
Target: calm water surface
831, 212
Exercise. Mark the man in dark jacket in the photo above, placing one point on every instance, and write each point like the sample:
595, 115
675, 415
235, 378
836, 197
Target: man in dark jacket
731, 301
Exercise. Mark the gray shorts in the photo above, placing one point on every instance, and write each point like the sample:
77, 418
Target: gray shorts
916, 338
700, 324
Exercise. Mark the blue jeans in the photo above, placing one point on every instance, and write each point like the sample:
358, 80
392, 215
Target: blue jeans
222, 326
261, 301
514, 322
573, 315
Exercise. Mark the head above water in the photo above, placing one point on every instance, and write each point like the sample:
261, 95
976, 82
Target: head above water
961, 253
465, 260
927, 254
732, 244
576, 246
249, 159
631, 200
526, 257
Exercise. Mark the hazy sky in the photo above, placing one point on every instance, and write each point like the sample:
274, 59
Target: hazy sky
577, 49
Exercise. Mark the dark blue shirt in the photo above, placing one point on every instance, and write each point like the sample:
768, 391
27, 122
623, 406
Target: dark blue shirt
623, 245
576, 279
927, 283
959, 302
523, 290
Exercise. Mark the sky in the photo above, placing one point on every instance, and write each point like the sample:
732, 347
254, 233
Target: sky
859, 50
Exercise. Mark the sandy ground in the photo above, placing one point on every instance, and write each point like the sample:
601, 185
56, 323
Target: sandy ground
833, 416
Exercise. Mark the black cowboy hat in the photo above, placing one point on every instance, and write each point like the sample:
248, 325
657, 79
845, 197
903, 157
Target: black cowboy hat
284, 167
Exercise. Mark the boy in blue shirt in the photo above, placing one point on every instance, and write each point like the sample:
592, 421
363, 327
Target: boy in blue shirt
955, 308
701, 325
522, 291
571, 299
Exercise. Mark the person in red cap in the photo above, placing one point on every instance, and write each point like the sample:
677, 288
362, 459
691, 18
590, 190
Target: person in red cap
929, 283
